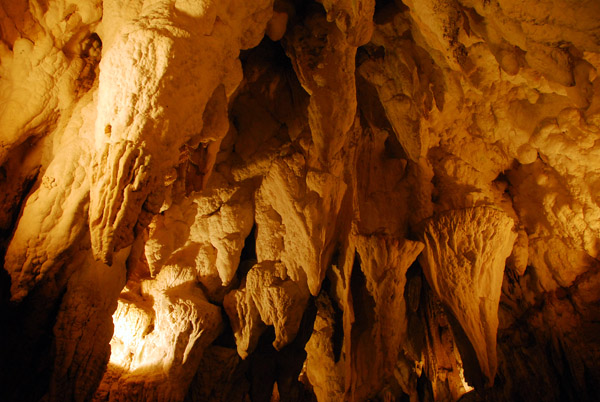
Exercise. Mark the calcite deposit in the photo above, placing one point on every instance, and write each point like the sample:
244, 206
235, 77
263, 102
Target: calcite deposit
300, 200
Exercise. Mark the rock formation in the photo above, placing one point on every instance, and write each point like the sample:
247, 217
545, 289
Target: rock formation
472, 246
299, 200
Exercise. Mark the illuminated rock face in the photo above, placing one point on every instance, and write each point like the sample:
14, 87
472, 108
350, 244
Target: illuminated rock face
472, 246
331, 200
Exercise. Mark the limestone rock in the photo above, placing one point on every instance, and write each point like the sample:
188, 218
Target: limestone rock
439, 23
269, 297
406, 80
84, 327
328, 77
42, 66
203, 233
39, 243
325, 376
384, 262
136, 143
27, 111
245, 321
442, 364
472, 246
219, 368
157, 348
299, 200
353, 353
353, 19
289, 193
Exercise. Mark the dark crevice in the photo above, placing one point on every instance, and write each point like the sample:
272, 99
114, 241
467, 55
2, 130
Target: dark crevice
393, 148
473, 373
248, 256
415, 296
472, 396
268, 366
424, 389
304, 9
226, 338
269, 106
370, 108
335, 257
591, 382
93, 42
362, 300
272, 51
262, 369
337, 339
383, 4
90, 54
385, 10
28, 346
366, 53
413, 292
15, 210
362, 303
249, 249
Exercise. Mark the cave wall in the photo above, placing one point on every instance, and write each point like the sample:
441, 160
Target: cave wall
300, 200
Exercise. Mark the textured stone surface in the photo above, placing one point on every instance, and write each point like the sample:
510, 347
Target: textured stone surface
299, 200
472, 246
269, 297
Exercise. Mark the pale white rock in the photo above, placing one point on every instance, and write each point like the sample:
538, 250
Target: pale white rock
280, 301
55, 215
227, 230
559, 217
132, 322
40, 76
38, 82
573, 136
115, 14
148, 109
157, 358
68, 21
168, 232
